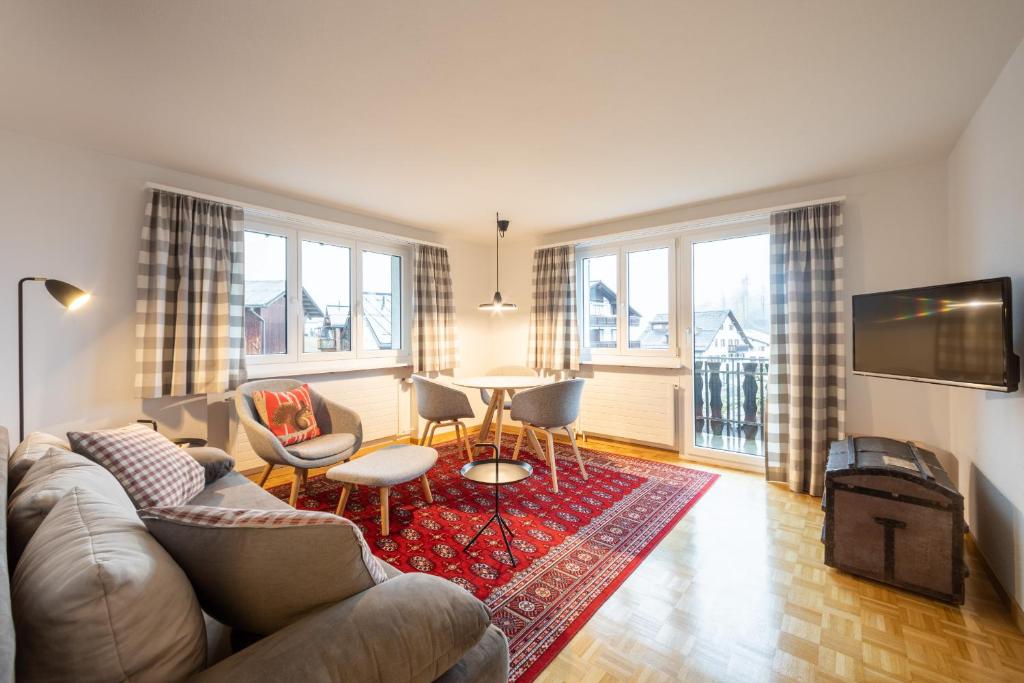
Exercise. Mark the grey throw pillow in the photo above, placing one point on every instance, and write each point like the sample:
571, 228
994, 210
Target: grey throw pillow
216, 463
95, 598
45, 483
243, 563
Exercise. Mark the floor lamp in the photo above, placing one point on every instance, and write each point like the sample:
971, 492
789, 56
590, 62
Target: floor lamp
68, 296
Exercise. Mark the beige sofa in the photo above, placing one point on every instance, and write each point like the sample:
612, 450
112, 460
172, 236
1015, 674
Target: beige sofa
412, 627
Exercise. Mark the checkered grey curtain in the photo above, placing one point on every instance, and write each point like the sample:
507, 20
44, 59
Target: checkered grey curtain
554, 337
806, 377
189, 331
434, 345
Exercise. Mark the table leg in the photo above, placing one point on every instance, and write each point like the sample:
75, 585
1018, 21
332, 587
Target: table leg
499, 408
485, 426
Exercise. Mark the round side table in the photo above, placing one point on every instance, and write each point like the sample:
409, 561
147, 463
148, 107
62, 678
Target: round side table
498, 472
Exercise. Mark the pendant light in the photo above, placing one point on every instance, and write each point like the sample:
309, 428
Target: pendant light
496, 303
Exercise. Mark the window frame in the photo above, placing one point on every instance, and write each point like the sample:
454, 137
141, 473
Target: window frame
297, 361
621, 251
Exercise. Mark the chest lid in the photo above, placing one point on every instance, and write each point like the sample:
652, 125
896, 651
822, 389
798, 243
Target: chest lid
879, 462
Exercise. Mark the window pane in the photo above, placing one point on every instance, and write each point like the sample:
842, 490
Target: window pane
326, 297
600, 277
382, 301
266, 300
648, 298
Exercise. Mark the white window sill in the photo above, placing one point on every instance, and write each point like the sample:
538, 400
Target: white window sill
265, 370
673, 362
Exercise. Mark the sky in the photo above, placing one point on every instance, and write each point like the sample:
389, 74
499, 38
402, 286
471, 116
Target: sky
325, 272
719, 267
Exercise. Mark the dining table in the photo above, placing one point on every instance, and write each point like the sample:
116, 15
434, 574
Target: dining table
502, 386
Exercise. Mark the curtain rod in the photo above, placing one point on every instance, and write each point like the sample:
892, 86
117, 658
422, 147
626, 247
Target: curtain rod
288, 216
696, 224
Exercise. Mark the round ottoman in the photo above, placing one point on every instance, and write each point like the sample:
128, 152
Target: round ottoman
382, 469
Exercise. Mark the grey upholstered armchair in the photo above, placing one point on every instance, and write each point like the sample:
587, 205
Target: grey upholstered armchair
341, 434
545, 408
442, 406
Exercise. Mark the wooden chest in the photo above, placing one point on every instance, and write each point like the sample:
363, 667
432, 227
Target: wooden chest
893, 515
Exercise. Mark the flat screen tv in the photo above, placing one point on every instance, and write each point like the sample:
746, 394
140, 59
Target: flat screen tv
959, 334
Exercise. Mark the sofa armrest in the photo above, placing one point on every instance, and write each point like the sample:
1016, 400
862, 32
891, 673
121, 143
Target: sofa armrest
412, 628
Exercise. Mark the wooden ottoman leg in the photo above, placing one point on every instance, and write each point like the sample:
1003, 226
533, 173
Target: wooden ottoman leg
346, 491
426, 489
385, 526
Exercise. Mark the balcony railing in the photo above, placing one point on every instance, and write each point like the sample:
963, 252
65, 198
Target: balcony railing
729, 401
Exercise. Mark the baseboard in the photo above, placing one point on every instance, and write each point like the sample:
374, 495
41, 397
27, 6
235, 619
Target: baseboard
1016, 613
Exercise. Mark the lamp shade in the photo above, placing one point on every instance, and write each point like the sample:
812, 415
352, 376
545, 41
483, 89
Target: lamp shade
496, 304
69, 296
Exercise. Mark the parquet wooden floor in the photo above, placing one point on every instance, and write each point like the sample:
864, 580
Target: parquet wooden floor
738, 592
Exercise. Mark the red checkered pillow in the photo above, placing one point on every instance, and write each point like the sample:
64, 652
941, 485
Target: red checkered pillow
288, 414
152, 470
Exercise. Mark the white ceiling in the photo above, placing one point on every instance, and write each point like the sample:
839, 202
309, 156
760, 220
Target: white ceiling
437, 113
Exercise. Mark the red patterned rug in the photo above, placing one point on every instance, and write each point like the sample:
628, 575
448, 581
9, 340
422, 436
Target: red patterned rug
573, 548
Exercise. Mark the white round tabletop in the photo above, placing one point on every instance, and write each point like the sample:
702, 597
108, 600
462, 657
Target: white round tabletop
500, 382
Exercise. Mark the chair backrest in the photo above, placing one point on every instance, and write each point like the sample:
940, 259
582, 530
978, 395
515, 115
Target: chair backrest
550, 405
435, 401
512, 370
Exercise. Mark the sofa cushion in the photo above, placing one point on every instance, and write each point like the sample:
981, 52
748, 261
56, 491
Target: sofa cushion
323, 446
260, 570
97, 599
287, 414
45, 484
234, 490
411, 629
216, 463
147, 464
35, 446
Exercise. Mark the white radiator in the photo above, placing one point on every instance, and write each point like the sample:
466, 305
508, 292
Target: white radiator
631, 405
377, 399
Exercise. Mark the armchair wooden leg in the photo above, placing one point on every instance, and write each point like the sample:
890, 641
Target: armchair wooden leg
531, 437
425, 483
346, 491
551, 460
298, 482
576, 451
385, 526
429, 441
519, 442
460, 426
265, 474
426, 428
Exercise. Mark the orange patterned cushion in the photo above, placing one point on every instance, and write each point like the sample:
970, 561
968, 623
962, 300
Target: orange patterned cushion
288, 414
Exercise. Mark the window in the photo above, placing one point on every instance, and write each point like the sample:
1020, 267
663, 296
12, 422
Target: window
326, 297
266, 294
312, 297
648, 298
643, 276
382, 301
599, 277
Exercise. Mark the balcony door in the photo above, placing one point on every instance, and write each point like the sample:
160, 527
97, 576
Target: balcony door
727, 329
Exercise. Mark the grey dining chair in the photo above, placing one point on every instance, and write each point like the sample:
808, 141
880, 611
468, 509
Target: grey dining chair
442, 406
341, 434
544, 409
505, 370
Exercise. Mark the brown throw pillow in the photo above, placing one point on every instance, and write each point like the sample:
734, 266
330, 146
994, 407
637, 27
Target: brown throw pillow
147, 464
260, 570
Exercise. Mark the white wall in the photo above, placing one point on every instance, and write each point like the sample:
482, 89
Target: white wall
986, 238
76, 215
895, 235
